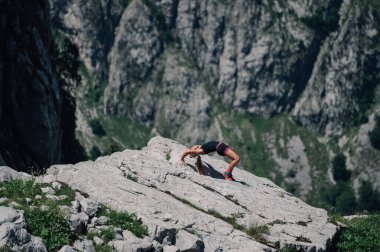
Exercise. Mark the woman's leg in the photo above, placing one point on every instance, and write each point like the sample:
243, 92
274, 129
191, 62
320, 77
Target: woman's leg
234, 157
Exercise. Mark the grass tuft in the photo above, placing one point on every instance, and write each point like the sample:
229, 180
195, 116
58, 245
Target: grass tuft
257, 231
128, 221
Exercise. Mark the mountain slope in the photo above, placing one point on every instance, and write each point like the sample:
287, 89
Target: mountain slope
287, 84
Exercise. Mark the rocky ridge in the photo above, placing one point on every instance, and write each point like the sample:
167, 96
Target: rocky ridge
174, 201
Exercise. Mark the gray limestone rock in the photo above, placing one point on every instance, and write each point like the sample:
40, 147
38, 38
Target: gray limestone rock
75, 205
48, 190
13, 233
171, 249
169, 197
133, 245
188, 242
7, 174
98, 241
8, 214
84, 245
67, 248
78, 222
89, 206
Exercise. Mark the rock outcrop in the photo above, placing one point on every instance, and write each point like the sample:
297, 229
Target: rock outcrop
30, 135
13, 234
190, 212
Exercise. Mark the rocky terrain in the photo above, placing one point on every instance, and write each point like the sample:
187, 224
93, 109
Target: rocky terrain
184, 211
289, 84
180, 207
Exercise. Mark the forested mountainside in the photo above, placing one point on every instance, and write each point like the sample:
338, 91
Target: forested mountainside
291, 85
36, 112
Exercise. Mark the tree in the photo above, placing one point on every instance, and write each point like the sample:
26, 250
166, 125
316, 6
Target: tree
374, 135
346, 202
369, 199
340, 173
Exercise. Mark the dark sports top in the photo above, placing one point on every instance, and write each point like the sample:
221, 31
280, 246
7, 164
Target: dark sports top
212, 146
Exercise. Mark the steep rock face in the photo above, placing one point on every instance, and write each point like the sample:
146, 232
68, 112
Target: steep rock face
30, 99
195, 51
92, 25
170, 59
346, 73
171, 199
191, 70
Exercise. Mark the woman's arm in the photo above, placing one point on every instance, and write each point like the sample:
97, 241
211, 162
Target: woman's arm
190, 152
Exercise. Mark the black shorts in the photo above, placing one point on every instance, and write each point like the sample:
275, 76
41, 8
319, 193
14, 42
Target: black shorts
212, 146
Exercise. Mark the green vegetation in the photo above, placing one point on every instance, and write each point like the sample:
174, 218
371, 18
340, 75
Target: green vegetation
374, 135
130, 134
324, 21
131, 177
66, 58
253, 138
341, 196
361, 235
340, 172
159, 20
114, 134
107, 235
369, 198
50, 224
230, 220
95, 152
97, 128
127, 221
257, 231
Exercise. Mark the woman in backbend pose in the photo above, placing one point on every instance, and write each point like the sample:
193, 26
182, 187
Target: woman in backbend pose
221, 148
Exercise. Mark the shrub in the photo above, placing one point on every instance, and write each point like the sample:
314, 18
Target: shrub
257, 231
346, 202
95, 152
323, 22
50, 225
127, 221
340, 173
340, 196
97, 128
131, 177
369, 199
20, 189
374, 135
362, 234
108, 234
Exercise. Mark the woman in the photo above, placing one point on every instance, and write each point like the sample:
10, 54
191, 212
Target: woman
221, 148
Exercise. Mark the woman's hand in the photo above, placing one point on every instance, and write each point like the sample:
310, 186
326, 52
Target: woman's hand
183, 163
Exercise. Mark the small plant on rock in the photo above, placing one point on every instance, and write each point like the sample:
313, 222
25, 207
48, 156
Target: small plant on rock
127, 221
131, 177
257, 231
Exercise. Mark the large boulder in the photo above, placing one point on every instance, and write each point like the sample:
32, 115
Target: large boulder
176, 202
13, 235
